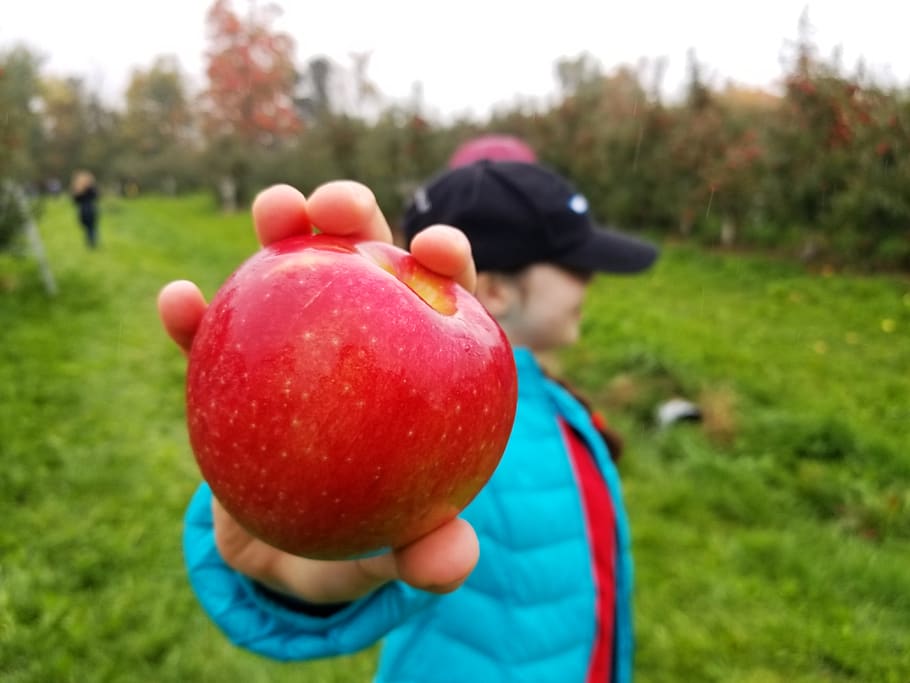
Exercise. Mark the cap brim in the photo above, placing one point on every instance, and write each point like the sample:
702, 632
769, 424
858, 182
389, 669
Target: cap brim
610, 251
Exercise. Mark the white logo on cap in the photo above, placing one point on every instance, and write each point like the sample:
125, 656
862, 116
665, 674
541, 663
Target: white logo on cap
421, 201
578, 204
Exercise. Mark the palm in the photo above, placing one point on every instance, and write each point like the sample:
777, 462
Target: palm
239, 548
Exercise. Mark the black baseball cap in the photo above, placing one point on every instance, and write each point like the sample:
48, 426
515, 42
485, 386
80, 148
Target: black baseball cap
516, 214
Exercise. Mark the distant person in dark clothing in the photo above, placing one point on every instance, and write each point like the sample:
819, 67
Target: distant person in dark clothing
85, 194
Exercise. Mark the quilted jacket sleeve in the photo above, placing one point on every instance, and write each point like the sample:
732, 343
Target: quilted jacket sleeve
253, 621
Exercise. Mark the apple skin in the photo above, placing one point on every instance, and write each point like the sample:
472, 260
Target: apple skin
336, 412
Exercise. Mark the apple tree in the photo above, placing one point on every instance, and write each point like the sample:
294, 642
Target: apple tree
248, 103
157, 128
20, 131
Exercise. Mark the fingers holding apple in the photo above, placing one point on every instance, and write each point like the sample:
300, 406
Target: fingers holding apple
441, 561
280, 211
340, 207
447, 251
438, 562
345, 207
181, 306
348, 208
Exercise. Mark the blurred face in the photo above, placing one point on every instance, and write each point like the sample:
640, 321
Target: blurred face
543, 311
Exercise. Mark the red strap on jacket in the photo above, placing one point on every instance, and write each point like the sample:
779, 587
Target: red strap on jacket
602, 538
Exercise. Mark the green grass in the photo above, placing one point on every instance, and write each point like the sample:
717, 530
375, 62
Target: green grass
771, 541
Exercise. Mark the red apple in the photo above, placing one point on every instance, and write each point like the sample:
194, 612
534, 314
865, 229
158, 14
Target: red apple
342, 398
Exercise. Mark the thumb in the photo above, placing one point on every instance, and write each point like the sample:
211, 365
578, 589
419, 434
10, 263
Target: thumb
439, 562
442, 560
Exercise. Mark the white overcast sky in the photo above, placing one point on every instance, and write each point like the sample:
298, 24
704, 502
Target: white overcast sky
471, 55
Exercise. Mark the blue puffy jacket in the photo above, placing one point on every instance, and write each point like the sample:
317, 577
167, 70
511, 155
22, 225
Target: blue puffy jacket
526, 613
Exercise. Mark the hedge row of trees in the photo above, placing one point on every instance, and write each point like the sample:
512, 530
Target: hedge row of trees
821, 169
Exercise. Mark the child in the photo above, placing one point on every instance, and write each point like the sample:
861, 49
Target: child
550, 597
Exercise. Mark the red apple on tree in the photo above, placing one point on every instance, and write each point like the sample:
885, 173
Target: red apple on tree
342, 398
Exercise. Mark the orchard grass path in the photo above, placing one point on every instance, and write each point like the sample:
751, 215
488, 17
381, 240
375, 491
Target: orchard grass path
771, 540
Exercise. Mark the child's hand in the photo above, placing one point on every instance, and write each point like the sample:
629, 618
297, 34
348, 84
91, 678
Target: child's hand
337, 208
438, 562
